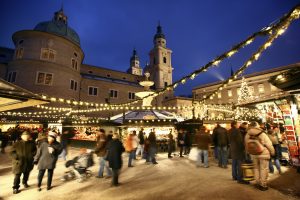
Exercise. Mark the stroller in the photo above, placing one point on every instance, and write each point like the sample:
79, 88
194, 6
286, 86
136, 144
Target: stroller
78, 167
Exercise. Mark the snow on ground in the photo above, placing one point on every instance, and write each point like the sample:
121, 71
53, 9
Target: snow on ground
175, 179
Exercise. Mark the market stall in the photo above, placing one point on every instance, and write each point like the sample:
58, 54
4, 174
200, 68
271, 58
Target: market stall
85, 135
161, 122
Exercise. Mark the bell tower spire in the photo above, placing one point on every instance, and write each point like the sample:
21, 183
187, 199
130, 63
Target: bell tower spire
159, 38
160, 67
60, 16
135, 64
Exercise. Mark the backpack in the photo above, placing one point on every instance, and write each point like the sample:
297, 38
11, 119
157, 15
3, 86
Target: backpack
254, 145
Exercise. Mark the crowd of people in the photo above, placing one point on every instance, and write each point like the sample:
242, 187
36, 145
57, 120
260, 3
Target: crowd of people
255, 143
242, 143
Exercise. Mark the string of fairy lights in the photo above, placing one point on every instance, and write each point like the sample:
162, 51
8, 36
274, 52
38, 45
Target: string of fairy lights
273, 31
279, 28
286, 19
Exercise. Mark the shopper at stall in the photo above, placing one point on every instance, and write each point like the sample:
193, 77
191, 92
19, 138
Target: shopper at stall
202, 139
275, 142
101, 152
46, 159
4, 141
213, 136
152, 147
15, 134
243, 129
187, 142
237, 150
114, 157
65, 141
221, 141
22, 154
180, 141
260, 147
141, 144
109, 136
281, 138
129, 148
171, 144
135, 143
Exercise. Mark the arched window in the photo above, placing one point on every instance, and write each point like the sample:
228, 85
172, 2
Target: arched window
165, 60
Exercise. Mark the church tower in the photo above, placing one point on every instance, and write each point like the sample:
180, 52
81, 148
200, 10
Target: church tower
160, 67
135, 64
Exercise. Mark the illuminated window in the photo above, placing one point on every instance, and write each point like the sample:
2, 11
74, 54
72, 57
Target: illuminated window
261, 88
44, 78
251, 88
219, 95
230, 93
48, 54
238, 91
74, 63
19, 53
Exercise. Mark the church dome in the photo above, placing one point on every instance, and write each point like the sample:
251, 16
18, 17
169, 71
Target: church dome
58, 26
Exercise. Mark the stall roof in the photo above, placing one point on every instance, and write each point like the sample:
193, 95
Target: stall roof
14, 97
288, 80
146, 115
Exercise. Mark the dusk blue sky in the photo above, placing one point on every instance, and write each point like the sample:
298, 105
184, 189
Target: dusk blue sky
196, 31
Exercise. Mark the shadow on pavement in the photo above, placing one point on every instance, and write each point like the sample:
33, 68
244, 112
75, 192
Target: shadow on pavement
287, 183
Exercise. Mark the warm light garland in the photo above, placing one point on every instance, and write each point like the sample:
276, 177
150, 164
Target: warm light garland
279, 27
283, 24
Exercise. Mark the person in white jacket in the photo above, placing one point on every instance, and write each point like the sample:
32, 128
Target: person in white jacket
260, 161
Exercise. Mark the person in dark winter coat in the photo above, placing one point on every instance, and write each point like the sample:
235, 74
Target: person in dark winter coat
237, 150
180, 141
141, 145
243, 129
65, 140
202, 139
187, 142
22, 154
152, 147
46, 158
4, 141
171, 144
115, 149
101, 152
221, 140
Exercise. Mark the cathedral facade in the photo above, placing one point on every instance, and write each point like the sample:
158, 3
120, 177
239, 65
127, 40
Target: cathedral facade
48, 60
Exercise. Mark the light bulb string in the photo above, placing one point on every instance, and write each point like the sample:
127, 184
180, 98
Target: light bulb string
263, 32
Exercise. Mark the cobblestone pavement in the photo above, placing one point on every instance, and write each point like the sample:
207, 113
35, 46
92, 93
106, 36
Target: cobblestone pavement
175, 179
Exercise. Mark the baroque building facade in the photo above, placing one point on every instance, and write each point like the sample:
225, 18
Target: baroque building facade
49, 60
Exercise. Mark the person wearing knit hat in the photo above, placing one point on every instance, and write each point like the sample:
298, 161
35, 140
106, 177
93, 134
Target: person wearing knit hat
22, 154
46, 158
52, 134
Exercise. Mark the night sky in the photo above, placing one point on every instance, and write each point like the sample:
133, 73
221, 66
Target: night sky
196, 31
